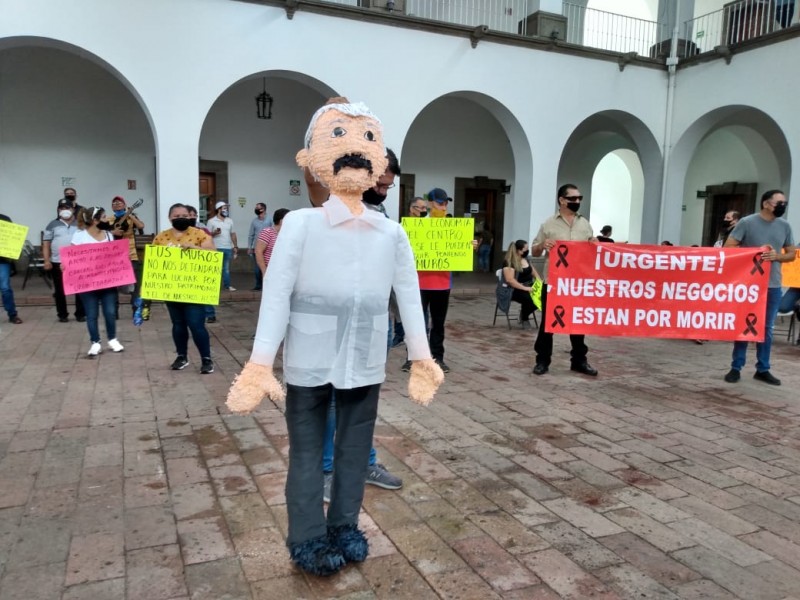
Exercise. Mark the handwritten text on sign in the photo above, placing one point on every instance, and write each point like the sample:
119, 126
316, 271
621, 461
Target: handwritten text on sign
656, 291
181, 275
441, 244
12, 238
90, 267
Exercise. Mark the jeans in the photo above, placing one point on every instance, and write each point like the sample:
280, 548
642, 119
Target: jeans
6, 291
92, 302
544, 341
187, 317
210, 311
61, 299
256, 273
436, 301
227, 255
789, 299
484, 257
306, 415
763, 349
330, 431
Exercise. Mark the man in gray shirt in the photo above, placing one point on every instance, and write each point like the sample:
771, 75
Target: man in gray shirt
765, 228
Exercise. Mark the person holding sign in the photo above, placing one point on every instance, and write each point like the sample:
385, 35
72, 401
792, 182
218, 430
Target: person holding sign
566, 224
5, 286
186, 316
519, 276
764, 228
96, 230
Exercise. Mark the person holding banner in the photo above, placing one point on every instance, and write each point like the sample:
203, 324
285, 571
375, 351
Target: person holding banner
96, 230
566, 224
5, 286
764, 228
519, 276
186, 316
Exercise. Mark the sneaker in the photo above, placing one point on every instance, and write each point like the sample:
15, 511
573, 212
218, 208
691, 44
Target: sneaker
115, 346
733, 376
207, 367
95, 349
525, 324
211, 320
406, 366
15, 319
63, 319
767, 377
179, 363
442, 365
231, 289
327, 482
378, 475
80, 319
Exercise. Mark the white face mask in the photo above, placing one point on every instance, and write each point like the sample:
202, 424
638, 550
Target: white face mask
65, 214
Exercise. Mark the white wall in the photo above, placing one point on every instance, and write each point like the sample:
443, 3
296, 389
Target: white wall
62, 116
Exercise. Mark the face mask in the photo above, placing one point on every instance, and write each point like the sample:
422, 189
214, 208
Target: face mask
779, 210
65, 214
727, 224
182, 223
574, 206
224, 213
104, 225
372, 197
438, 212
120, 213
259, 211
525, 254
423, 213
70, 199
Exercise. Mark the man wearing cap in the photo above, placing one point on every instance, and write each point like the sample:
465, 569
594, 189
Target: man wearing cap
256, 225
221, 227
434, 287
567, 224
58, 234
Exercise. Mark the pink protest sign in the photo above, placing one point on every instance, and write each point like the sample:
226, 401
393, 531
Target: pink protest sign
90, 267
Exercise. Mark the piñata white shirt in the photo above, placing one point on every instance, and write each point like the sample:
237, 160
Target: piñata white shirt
327, 292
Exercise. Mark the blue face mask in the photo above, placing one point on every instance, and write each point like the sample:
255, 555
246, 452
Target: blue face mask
120, 213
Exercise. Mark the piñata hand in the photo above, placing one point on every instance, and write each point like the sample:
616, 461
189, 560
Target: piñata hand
426, 377
251, 385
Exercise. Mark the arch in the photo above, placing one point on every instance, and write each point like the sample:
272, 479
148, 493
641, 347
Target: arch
603, 133
438, 149
758, 136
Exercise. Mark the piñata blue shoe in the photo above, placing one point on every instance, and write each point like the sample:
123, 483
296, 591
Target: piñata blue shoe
317, 556
350, 541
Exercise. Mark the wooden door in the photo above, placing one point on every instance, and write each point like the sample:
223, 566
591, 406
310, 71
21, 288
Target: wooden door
485, 201
208, 191
721, 199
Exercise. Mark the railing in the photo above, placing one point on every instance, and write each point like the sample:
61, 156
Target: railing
734, 23
583, 26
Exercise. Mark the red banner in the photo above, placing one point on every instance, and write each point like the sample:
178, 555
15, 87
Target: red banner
657, 291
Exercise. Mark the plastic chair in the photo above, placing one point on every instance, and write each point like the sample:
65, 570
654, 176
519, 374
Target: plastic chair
501, 284
792, 320
35, 264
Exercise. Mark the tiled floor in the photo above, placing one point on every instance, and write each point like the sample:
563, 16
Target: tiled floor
120, 478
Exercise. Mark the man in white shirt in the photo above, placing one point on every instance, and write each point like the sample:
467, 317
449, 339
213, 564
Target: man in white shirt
221, 228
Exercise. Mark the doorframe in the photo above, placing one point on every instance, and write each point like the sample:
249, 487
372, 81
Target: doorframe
728, 188
480, 182
220, 170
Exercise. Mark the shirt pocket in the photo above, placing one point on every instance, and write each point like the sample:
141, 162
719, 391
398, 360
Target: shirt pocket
311, 343
379, 340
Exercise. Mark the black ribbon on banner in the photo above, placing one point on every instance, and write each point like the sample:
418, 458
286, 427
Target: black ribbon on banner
750, 320
758, 260
562, 252
558, 313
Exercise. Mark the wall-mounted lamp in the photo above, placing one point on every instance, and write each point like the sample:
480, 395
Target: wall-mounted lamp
264, 103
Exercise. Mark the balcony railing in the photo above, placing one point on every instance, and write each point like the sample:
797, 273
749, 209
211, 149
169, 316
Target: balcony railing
736, 22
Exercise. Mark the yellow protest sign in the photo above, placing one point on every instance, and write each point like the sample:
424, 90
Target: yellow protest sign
12, 238
181, 274
441, 244
790, 272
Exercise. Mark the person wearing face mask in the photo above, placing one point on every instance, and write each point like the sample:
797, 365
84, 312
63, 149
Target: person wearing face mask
729, 221
519, 275
96, 230
187, 317
568, 225
221, 227
764, 228
256, 225
58, 234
